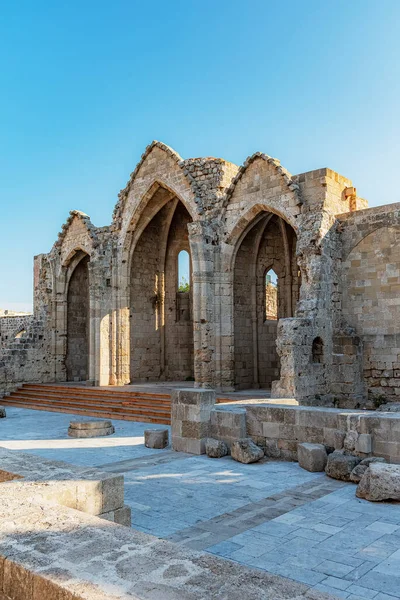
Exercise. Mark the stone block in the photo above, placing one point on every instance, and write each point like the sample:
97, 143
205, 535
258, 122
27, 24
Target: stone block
193, 396
338, 439
216, 448
156, 438
246, 451
359, 470
380, 482
17, 581
312, 457
350, 441
271, 430
364, 443
340, 465
121, 516
271, 448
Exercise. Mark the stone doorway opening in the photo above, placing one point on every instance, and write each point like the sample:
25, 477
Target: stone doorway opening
266, 289
161, 301
77, 356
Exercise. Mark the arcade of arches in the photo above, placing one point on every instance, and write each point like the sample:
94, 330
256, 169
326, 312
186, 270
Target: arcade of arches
243, 317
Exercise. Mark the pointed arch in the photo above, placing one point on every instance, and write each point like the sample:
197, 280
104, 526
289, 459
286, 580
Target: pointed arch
286, 177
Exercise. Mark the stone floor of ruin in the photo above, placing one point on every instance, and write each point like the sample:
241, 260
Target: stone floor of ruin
271, 515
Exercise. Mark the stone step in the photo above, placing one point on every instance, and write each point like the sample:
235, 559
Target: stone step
97, 406
102, 412
92, 391
108, 398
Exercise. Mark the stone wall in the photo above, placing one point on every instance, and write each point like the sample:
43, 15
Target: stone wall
12, 326
371, 296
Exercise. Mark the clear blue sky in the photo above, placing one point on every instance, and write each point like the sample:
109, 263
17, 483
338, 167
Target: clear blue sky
86, 85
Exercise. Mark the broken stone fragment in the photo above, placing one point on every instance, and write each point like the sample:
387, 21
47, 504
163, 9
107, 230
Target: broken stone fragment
156, 438
246, 451
216, 448
359, 470
312, 457
340, 465
380, 482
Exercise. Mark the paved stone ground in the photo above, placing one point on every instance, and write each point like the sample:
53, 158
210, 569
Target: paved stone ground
273, 516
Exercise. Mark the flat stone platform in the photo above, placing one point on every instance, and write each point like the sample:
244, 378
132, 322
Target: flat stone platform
272, 516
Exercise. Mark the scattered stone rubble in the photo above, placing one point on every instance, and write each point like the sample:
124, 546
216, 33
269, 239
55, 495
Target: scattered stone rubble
380, 482
360, 469
340, 465
246, 451
216, 448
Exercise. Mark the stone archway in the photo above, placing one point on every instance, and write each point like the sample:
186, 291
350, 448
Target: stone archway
161, 316
77, 356
266, 288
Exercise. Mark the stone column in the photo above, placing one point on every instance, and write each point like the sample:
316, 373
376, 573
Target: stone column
190, 419
201, 238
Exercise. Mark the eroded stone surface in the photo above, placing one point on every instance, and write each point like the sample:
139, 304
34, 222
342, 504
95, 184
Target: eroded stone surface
359, 470
340, 465
216, 448
246, 451
380, 482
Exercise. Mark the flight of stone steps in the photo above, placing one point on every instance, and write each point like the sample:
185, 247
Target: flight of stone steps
93, 402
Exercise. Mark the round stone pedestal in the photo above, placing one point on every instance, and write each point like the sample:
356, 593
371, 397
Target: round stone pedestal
88, 429
156, 438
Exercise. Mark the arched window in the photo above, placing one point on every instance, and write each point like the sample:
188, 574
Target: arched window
318, 350
183, 271
271, 295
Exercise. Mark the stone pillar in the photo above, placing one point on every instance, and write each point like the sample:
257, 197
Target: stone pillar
190, 419
201, 238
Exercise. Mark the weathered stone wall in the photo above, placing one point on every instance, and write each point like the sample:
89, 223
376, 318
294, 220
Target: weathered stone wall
371, 296
235, 223
12, 326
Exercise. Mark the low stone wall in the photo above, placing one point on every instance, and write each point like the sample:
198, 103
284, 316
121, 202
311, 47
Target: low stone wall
280, 428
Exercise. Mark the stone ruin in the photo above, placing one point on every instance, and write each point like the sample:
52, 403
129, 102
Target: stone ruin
109, 308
